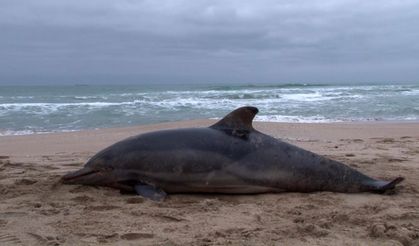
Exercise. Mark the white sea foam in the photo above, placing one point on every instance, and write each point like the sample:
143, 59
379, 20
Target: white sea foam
294, 119
47, 108
30, 132
16, 133
307, 97
411, 92
93, 107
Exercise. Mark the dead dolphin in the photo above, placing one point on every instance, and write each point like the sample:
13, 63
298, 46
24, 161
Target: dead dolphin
227, 157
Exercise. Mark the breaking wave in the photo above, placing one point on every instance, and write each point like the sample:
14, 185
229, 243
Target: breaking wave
48, 109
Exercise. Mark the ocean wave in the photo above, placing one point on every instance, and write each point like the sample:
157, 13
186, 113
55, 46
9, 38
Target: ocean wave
59, 109
263, 94
269, 86
8, 105
16, 132
31, 132
295, 119
412, 92
308, 97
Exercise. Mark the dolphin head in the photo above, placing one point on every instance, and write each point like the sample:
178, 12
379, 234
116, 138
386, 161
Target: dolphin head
95, 173
88, 176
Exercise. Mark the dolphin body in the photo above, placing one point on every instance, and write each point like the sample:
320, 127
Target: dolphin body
227, 157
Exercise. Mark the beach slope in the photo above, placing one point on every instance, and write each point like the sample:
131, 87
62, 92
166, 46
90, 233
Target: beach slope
36, 209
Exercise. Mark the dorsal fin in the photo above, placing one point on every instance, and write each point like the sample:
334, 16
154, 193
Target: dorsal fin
239, 119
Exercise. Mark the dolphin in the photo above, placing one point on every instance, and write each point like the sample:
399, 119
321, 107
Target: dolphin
227, 157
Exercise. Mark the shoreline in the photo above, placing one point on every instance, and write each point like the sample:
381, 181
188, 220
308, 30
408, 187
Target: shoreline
211, 120
32, 165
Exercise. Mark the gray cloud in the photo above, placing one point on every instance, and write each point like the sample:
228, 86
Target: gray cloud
208, 41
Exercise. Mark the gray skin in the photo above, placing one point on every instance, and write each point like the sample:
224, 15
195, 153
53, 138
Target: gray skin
228, 157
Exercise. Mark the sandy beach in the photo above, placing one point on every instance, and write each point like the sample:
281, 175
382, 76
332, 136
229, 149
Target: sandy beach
36, 209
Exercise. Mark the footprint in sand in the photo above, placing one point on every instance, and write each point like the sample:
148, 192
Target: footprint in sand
83, 199
391, 159
405, 235
101, 208
386, 140
3, 223
13, 164
136, 236
134, 200
405, 137
25, 182
12, 214
81, 188
47, 240
50, 212
312, 230
349, 140
9, 239
107, 238
168, 218
78, 164
50, 167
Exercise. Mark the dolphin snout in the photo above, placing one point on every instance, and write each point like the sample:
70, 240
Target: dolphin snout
86, 175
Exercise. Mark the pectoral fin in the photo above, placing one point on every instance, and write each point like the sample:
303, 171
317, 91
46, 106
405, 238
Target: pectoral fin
150, 192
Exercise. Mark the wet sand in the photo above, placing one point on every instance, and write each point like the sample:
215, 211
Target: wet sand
35, 209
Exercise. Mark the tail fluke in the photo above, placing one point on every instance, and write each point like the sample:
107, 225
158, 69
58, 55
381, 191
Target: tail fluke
380, 186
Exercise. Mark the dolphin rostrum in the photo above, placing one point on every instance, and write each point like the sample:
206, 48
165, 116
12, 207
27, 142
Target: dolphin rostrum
227, 157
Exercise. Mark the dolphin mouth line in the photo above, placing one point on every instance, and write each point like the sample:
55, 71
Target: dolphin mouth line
78, 174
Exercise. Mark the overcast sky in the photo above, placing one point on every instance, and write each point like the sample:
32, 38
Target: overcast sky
155, 41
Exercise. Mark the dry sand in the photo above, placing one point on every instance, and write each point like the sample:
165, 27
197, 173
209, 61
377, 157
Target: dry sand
36, 209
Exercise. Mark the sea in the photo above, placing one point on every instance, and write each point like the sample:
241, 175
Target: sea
43, 109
